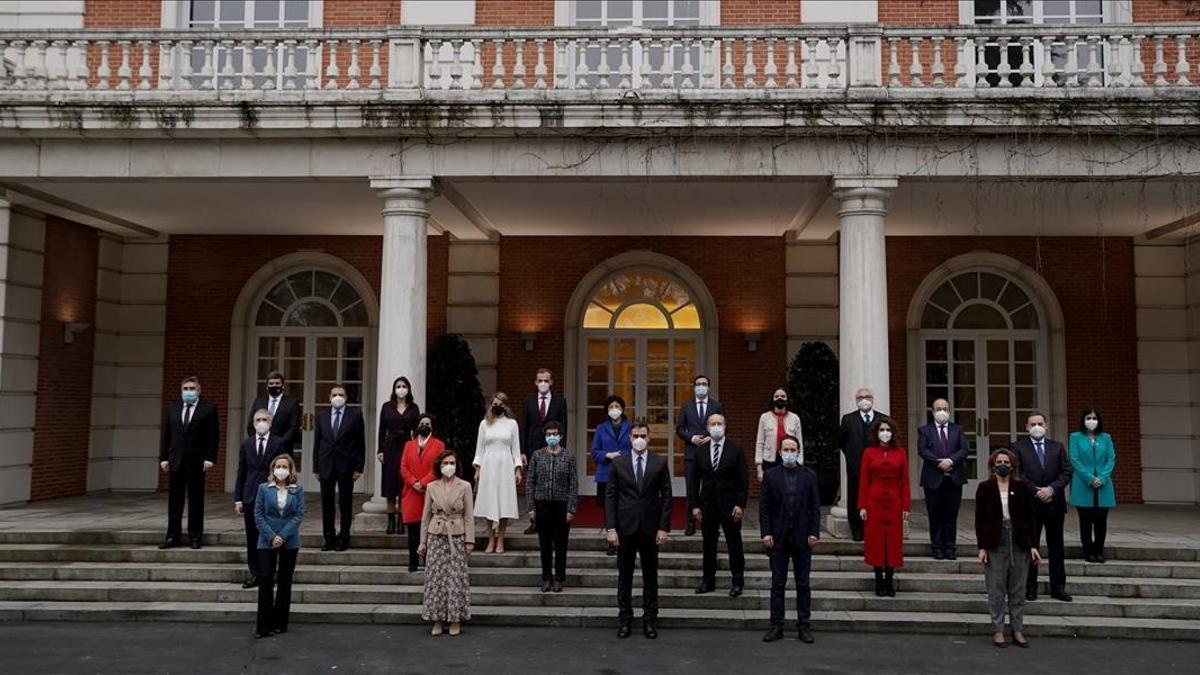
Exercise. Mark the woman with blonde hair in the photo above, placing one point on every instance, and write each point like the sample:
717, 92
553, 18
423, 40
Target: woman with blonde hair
278, 512
497, 471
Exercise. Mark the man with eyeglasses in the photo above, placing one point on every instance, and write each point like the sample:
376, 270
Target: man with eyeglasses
852, 438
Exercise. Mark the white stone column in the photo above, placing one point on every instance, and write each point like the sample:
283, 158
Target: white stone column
862, 304
403, 298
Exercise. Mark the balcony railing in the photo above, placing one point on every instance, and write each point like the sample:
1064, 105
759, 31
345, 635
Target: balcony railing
823, 60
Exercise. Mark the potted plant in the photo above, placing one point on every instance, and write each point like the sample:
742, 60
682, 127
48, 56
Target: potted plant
813, 389
454, 397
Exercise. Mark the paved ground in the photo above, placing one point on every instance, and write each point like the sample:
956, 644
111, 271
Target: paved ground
346, 650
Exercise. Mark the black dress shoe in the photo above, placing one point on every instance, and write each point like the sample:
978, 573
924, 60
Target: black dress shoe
1030, 596
532, 529
341, 545
391, 525
278, 630
1089, 558
327, 546
252, 582
1060, 595
412, 567
648, 629
556, 586
705, 587
938, 555
951, 555
612, 550
735, 591
259, 636
1000, 645
858, 537
689, 530
195, 544
1099, 558
773, 633
169, 543
546, 585
624, 630
806, 635
1023, 644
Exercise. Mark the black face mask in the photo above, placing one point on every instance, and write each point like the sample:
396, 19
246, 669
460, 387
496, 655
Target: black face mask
779, 403
424, 431
274, 391
497, 410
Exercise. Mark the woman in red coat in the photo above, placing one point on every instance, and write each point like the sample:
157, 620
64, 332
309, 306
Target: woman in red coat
884, 503
416, 472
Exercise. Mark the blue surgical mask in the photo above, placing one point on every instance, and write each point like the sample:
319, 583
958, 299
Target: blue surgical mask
552, 440
191, 396
701, 390
790, 458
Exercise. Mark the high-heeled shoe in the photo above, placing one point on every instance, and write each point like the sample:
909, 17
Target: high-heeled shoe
455, 629
391, 526
437, 629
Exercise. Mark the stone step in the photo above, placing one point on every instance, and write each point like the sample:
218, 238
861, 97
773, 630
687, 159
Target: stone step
676, 598
952, 623
586, 559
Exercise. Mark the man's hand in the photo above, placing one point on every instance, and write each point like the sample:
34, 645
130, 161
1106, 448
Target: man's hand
164, 466
518, 476
531, 516
982, 557
660, 537
277, 542
356, 475
760, 473
862, 513
613, 540
1045, 494
737, 514
696, 515
812, 541
697, 439
207, 465
237, 507
379, 456
769, 541
570, 516
1035, 554
946, 464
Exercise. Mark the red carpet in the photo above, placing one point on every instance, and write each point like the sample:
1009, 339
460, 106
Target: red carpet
590, 515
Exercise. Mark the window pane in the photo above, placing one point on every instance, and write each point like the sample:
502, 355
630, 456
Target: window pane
936, 374
945, 297
967, 285
268, 315
933, 317
986, 9
355, 316
687, 318
964, 350
587, 9
281, 295
344, 296
233, 12
654, 9
1013, 298
203, 11
597, 350
1019, 9
1024, 350
990, 285
999, 397
1056, 8
596, 317
293, 347
620, 9
687, 11
301, 284
354, 348
311, 314
1026, 317
268, 347
295, 11
964, 397
997, 350
980, 316
323, 284
266, 13
327, 347
935, 350
642, 316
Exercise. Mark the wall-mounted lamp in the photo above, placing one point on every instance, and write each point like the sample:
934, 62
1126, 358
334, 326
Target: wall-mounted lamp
752, 341
73, 328
529, 337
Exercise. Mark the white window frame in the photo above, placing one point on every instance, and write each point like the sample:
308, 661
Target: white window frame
710, 12
175, 14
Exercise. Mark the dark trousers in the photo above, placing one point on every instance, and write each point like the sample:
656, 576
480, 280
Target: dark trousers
413, 531
1093, 526
344, 485
942, 503
689, 468
601, 490
274, 605
251, 538
800, 558
633, 546
1053, 524
711, 525
553, 531
187, 481
856, 523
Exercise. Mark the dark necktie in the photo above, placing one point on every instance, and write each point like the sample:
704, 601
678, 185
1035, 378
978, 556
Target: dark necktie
542, 409
187, 415
274, 405
337, 422
641, 474
866, 421
945, 440
261, 443
702, 407
1041, 452
716, 456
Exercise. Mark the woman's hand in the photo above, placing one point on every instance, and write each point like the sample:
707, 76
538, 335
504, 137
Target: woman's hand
379, 456
421, 549
862, 513
904, 515
518, 473
612, 455
419, 486
1035, 554
470, 545
277, 542
1097, 482
570, 516
760, 473
982, 557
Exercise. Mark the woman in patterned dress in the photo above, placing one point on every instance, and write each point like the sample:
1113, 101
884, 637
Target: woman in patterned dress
447, 539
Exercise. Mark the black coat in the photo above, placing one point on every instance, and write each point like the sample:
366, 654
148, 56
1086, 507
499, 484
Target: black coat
189, 448
285, 423
252, 471
629, 510
689, 424
533, 435
852, 438
774, 518
1057, 473
989, 514
344, 454
716, 491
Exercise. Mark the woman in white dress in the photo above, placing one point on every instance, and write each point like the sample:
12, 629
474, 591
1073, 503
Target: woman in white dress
497, 471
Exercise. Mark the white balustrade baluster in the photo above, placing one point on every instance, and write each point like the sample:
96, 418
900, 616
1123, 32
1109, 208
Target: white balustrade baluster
562, 75
581, 67
938, 69
1048, 68
57, 72
270, 72
539, 70
727, 67
791, 71
835, 64
185, 65
1160, 64
708, 64
39, 65
144, 71
1075, 72
625, 70
333, 71
961, 56
124, 71
20, 72
312, 64
1004, 68
519, 64
645, 71
247, 65
80, 72
687, 71
893, 62
456, 70
4, 83
1026, 61
227, 72
1182, 68
749, 70
1093, 61
602, 69
435, 64
915, 70
498, 70
666, 77
289, 64
376, 71
1139, 67
353, 71
477, 67
1118, 65
166, 65
770, 70
812, 70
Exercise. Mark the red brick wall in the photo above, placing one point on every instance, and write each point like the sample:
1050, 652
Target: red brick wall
361, 13
62, 419
201, 296
1160, 11
122, 14
745, 303
514, 12
918, 12
1101, 364
760, 12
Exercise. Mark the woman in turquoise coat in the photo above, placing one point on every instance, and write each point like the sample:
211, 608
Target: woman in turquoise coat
1092, 460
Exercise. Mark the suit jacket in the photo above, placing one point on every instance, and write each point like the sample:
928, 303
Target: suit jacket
1057, 473
852, 438
716, 490
285, 423
191, 447
690, 424
272, 521
252, 470
343, 454
533, 435
630, 510
989, 514
776, 519
929, 449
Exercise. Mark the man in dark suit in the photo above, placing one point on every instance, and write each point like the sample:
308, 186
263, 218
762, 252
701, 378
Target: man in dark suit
789, 521
942, 447
852, 438
717, 500
692, 429
254, 463
341, 454
1045, 464
191, 434
284, 411
637, 514
539, 409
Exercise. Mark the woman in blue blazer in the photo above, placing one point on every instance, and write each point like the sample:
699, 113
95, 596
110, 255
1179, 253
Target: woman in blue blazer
278, 512
610, 441
1092, 460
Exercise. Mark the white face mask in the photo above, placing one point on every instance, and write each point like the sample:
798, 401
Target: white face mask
614, 414
865, 404
448, 470
790, 458
701, 390
1037, 432
338, 402
639, 444
885, 437
717, 432
1091, 425
543, 387
281, 474
941, 416
401, 392
262, 428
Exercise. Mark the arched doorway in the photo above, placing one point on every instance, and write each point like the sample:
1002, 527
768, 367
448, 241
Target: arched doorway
641, 331
313, 318
982, 336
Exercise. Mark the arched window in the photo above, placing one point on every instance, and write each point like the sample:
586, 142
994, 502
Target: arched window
979, 300
312, 298
641, 300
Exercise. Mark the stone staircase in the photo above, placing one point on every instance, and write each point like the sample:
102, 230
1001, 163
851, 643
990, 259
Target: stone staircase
120, 575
